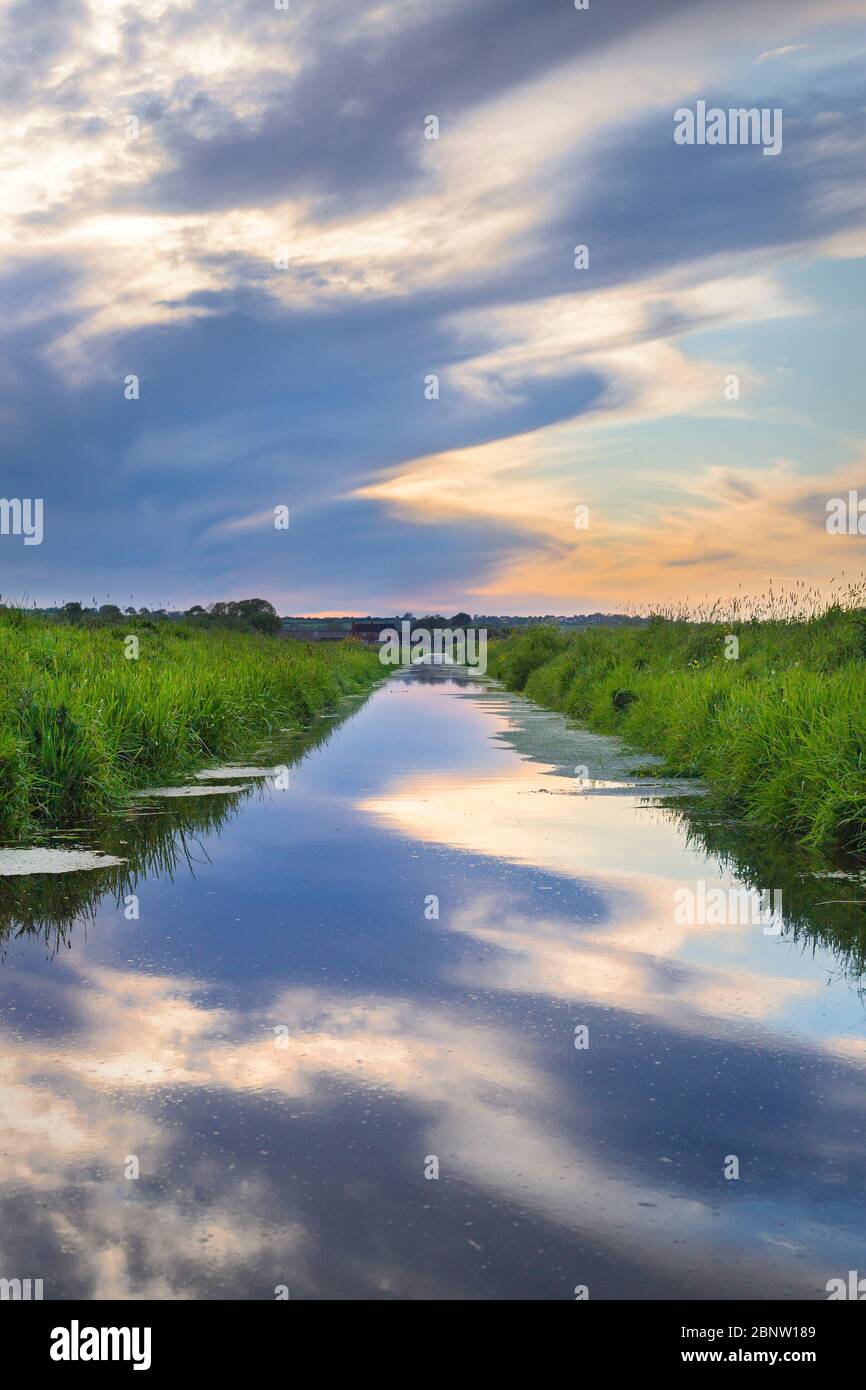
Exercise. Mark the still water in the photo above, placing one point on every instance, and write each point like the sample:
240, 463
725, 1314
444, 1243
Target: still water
287, 1039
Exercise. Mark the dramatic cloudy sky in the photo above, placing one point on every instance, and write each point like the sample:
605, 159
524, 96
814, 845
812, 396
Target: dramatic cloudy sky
264, 133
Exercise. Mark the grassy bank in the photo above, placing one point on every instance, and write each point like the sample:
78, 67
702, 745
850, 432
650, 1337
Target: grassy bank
779, 734
81, 725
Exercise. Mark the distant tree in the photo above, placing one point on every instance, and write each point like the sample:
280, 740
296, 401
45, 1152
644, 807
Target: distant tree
111, 612
130, 612
144, 612
259, 613
196, 611
72, 611
255, 613
461, 620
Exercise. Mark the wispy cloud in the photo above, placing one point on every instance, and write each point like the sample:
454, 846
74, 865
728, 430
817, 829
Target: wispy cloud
239, 205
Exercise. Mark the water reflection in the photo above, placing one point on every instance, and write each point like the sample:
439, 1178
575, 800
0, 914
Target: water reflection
284, 1037
824, 907
154, 837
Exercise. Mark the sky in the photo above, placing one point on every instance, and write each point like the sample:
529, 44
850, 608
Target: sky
328, 309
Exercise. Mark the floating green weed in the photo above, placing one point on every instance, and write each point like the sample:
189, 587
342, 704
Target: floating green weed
779, 733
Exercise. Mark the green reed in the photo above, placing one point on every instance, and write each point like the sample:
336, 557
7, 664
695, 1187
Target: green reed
778, 733
81, 725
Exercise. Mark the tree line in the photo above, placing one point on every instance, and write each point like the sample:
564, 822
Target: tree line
245, 615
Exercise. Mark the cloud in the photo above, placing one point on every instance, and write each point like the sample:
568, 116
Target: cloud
747, 524
282, 258
782, 52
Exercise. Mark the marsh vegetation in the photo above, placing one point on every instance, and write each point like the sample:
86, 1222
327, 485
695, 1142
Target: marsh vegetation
769, 708
89, 714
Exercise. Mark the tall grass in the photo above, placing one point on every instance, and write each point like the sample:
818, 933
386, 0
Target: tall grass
779, 734
81, 725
